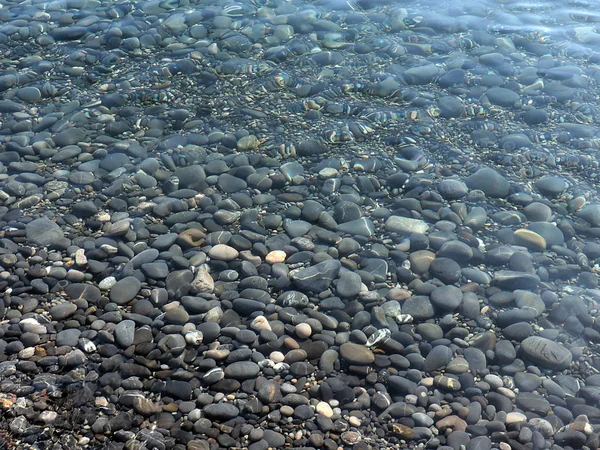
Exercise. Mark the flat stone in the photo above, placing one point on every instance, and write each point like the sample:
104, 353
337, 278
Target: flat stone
125, 290
242, 370
359, 227
43, 232
317, 278
437, 358
405, 225
356, 354
509, 279
546, 353
348, 285
223, 252
62, 311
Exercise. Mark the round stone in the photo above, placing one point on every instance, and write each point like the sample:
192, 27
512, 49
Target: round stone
303, 330
276, 256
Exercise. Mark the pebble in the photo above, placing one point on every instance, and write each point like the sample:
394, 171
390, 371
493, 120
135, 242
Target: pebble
212, 233
356, 354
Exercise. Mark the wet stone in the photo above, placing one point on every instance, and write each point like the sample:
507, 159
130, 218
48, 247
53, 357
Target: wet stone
43, 232
317, 278
490, 182
125, 290
546, 353
356, 354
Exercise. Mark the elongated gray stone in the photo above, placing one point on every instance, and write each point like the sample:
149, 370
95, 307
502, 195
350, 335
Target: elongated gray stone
406, 225
546, 353
317, 278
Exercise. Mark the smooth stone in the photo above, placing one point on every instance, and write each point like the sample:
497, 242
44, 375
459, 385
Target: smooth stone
242, 370
62, 311
529, 239
68, 337
359, 227
356, 354
349, 284
404, 225
509, 279
437, 358
537, 212
447, 297
317, 278
490, 182
452, 189
223, 252
70, 136
419, 307
546, 353
43, 232
125, 290
551, 186
502, 96
221, 411
125, 333
549, 232
446, 270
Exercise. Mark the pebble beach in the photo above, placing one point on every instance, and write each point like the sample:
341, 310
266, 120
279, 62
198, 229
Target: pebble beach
299, 224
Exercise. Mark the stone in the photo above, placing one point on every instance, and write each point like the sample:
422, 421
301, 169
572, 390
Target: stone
348, 285
125, 290
242, 370
317, 278
437, 358
405, 225
223, 252
530, 239
545, 352
356, 354
62, 311
221, 411
124, 333
490, 182
447, 297
43, 232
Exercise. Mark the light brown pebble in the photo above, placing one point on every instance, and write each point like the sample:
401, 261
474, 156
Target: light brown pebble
80, 258
530, 239
223, 252
403, 431
276, 357
303, 330
101, 402
260, 323
354, 421
276, 256
286, 410
453, 422
506, 392
324, 409
427, 382
203, 282
291, 343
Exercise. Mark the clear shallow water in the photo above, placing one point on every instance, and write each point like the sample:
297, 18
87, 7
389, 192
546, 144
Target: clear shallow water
127, 124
